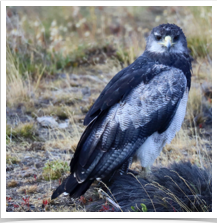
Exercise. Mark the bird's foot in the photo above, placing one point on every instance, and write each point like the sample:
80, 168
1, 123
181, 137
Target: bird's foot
144, 173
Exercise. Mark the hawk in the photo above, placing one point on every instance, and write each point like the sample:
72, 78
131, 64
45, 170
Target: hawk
138, 112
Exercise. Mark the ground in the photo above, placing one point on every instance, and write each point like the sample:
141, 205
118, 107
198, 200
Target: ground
56, 68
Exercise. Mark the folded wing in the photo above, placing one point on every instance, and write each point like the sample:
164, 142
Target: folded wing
121, 128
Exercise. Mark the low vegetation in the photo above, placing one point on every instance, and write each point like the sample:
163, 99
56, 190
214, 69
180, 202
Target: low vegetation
11, 159
20, 132
55, 169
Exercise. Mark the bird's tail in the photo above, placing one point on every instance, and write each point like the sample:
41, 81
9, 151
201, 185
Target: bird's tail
71, 186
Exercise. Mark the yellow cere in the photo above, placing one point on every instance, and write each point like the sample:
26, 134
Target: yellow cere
168, 39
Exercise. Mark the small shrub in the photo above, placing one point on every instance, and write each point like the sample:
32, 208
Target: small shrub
26, 130
53, 170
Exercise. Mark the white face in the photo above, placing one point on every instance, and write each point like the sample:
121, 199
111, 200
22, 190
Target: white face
161, 43
160, 48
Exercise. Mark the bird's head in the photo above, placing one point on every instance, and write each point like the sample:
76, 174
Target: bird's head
167, 38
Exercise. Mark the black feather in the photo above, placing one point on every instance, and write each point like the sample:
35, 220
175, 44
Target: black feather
141, 69
71, 186
68, 185
81, 189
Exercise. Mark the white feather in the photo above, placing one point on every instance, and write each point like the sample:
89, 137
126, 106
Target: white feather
154, 144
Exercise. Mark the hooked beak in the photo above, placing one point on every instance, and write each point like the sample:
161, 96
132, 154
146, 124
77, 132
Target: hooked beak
167, 42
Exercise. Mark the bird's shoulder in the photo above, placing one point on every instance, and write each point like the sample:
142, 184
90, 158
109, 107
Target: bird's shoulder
161, 96
143, 69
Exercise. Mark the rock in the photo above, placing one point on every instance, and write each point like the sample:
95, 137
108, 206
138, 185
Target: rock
64, 124
38, 165
47, 121
86, 92
9, 168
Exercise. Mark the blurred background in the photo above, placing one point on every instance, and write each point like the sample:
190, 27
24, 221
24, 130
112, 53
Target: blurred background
60, 37
59, 59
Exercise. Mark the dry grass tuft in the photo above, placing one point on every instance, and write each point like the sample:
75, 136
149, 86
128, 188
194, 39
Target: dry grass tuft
12, 183
24, 130
200, 36
194, 107
58, 111
32, 189
28, 189
11, 159
16, 89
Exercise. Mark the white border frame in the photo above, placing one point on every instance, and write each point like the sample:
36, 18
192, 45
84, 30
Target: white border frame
5, 214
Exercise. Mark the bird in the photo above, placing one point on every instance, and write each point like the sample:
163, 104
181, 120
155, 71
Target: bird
137, 113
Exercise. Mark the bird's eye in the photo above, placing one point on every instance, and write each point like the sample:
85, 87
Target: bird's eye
158, 37
176, 38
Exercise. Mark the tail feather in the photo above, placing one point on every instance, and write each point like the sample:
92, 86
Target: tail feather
81, 188
71, 186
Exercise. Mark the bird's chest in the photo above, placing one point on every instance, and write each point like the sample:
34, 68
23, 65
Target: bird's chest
154, 144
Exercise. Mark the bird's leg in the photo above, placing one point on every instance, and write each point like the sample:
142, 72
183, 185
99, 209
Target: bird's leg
145, 172
125, 167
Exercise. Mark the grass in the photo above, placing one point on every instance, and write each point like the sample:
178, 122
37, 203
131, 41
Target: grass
54, 170
16, 88
22, 131
49, 46
11, 159
57, 111
200, 37
194, 107
143, 209
199, 46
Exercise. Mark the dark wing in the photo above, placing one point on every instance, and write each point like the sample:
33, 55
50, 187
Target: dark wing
121, 84
119, 131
